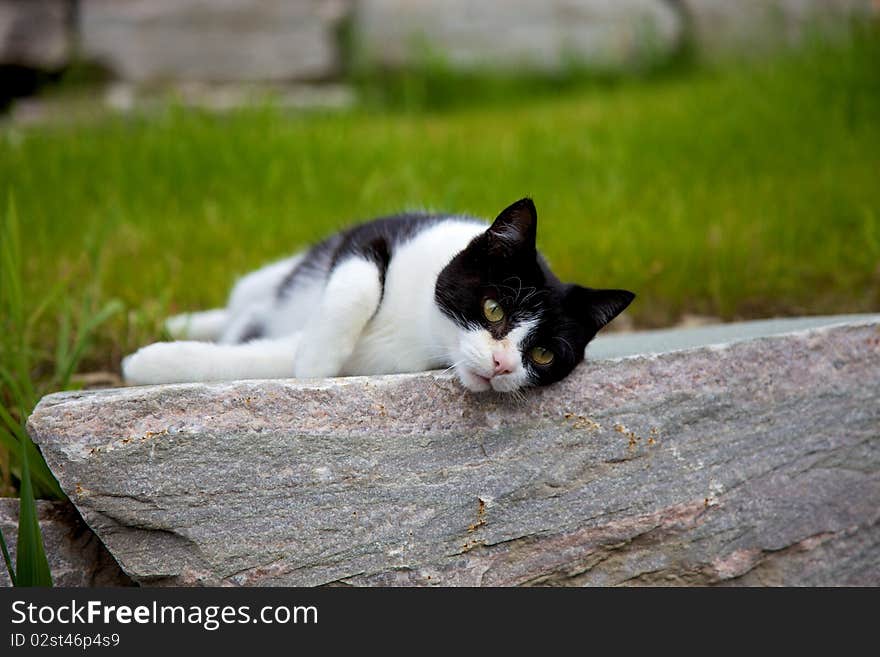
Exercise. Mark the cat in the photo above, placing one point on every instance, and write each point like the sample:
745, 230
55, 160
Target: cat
405, 293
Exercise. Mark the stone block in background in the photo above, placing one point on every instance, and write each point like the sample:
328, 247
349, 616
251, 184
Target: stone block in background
76, 556
213, 40
741, 454
722, 27
35, 33
516, 34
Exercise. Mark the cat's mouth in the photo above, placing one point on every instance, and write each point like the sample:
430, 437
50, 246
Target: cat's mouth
476, 382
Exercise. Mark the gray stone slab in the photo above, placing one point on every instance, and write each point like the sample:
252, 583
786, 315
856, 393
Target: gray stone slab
747, 27
621, 345
35, 33
213, 40
749, 462
516, 34
76, 556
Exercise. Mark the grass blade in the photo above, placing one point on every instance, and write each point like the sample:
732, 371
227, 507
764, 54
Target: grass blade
32, 567
14, 437
10, 263
68, 362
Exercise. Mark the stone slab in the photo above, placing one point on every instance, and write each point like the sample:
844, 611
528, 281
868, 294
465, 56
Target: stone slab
750, 462
611, 345
35, 33
747, 27
516, 34
213, 40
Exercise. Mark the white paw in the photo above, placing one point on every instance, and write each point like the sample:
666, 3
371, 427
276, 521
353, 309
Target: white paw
162, 362
312, 364
177, 326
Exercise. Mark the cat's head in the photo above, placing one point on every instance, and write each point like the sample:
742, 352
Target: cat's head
518, 324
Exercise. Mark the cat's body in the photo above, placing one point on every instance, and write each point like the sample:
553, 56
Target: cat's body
398, 294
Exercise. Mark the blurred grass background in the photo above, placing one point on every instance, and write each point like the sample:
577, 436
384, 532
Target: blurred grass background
736, 191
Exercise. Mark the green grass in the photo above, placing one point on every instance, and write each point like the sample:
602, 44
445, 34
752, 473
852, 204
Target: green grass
23, 382
25, 357
18, 397
740, 191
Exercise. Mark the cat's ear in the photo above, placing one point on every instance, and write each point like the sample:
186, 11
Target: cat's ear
595, 308
514, 230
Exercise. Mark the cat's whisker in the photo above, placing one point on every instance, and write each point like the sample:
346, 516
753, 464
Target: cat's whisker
446, 371
533, 292
519, 291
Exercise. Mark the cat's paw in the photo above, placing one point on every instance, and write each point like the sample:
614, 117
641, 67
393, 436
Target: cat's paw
317, 360
161, 362
315, 364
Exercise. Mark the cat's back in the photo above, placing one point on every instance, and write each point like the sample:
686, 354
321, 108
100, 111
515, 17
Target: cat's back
381, 240
392, 233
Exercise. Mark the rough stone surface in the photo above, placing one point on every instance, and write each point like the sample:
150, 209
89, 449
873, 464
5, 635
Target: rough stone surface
513, 34
35, 33
76, 556
213, 40
754, 462
720, 27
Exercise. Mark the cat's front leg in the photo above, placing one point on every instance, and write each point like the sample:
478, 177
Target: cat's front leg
350, 299
178, 362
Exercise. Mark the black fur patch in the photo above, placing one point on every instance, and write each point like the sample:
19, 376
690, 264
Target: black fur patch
316, 262
375, 241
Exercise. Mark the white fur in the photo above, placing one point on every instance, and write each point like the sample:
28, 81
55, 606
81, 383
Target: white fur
346, 324
180, 362
254, 297
474, 362
260, 285
409, 333
251, 295
207, 325
350, 298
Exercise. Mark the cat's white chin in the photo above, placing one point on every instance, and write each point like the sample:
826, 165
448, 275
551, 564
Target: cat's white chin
478, 383
473, 381
505, 383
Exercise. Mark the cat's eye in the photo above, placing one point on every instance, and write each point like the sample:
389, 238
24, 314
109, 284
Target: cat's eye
493, 311
541, 356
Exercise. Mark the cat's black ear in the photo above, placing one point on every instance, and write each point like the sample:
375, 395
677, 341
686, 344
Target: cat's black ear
514, 230
595, 308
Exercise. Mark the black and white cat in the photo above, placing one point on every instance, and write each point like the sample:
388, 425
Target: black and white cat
399, 294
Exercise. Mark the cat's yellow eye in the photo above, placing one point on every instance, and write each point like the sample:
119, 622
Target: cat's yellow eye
493, 311
541, 356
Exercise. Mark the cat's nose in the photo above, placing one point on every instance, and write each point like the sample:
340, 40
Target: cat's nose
504, 362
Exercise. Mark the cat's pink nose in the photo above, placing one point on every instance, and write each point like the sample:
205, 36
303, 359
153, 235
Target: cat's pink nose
504, 362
